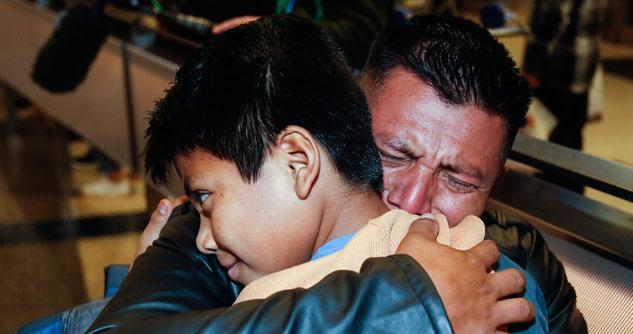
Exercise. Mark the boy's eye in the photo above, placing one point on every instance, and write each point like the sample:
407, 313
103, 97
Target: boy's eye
201, 197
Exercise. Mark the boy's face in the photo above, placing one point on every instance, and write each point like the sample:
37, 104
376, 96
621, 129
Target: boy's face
254, 228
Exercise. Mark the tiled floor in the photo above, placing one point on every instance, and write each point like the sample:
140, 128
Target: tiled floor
54, 243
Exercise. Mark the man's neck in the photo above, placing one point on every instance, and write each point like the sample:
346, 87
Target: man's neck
347, 214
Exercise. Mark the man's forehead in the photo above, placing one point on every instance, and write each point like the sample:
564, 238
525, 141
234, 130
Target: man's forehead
452, 153
412, 118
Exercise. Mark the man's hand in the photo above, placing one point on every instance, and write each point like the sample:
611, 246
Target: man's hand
473, 298
232, 23
156, 222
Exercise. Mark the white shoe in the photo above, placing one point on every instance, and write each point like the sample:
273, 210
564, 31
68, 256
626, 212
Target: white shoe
106, 187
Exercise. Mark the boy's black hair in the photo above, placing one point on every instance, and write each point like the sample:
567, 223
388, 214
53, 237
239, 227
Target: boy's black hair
460, 60
245, 86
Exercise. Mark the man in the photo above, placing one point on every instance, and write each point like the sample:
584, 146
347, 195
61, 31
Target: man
442, 168
444, 134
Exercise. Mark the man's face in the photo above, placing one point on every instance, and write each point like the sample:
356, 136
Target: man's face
436, 157
253, 227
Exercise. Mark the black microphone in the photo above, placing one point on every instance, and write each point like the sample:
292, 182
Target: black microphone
64, 61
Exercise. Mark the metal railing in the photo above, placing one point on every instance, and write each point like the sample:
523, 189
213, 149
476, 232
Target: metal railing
601, 228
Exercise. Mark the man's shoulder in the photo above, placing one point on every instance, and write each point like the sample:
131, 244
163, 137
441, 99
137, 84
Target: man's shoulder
525, 245
515, 237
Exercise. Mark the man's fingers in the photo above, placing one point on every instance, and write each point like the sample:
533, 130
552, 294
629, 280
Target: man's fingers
421, 230
426, 227
157, 221
487, 252
163, 211
513, 310
159, 217
163, 208
508, 282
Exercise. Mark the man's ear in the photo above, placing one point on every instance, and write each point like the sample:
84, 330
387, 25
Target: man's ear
303, 158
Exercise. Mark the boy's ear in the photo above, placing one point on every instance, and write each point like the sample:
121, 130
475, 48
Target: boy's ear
303, 156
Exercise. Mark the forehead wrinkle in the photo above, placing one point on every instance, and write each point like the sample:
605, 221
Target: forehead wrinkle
398, 142
409, 140
448, 155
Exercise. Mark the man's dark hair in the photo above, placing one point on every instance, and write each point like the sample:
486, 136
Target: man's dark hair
243, 88
461, 61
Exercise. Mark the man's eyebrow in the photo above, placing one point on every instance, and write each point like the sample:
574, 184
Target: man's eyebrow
466, 169
401, 144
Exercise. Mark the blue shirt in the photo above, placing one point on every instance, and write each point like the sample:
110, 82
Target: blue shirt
532, 292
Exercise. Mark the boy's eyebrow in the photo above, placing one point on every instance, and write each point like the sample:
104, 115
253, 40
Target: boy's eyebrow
187, 189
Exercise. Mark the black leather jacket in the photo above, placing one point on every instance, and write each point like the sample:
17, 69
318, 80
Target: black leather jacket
173, 288
525, 245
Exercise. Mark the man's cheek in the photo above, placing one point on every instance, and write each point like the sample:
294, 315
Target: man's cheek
387, 176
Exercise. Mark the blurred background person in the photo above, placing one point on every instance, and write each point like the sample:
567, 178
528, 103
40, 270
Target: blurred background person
560, 60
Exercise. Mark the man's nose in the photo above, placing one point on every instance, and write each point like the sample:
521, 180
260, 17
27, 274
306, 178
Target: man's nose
204, 240
412, 194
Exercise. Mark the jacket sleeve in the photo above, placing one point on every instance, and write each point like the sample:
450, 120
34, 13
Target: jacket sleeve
526, 246
353, 24
174, 289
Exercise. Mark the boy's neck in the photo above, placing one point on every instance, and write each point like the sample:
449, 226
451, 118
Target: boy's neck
347, 214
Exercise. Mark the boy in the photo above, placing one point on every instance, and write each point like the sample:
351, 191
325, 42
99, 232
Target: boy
273, 143
277, 154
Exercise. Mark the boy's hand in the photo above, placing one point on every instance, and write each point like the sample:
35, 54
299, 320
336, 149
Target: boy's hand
156, 223
473, 298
